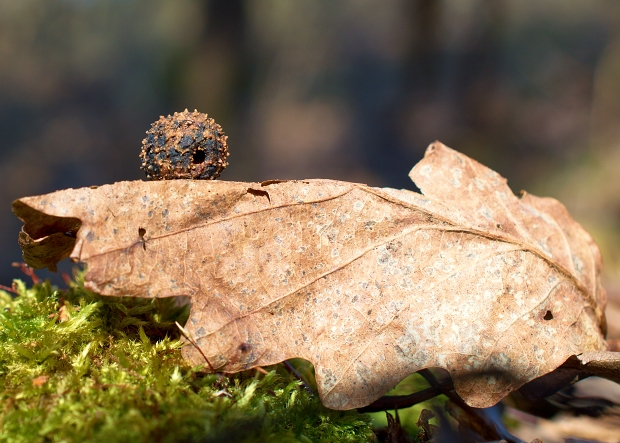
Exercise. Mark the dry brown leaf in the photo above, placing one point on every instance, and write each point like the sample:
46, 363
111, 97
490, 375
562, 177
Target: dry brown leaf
368, 284
601, 363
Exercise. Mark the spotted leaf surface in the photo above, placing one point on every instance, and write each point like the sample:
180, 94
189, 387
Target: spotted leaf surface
368, 284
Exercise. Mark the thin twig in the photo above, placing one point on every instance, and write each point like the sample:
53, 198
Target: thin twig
67, 279
430, 378
28, 271
260, 370
388, 402
193, 342
7, 289
478, 415
297, 375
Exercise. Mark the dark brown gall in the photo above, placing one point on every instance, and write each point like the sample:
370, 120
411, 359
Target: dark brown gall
186, 145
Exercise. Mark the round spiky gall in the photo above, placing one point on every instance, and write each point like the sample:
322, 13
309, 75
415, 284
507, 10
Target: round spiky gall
186, 145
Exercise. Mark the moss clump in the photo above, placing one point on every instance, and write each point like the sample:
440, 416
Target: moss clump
77, 367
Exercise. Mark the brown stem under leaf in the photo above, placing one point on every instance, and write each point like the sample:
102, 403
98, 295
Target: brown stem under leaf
480, 420
289, 367
388, 402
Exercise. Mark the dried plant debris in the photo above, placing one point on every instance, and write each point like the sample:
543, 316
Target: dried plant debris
186, 145
394, 432
426, 430
368, 284
567, 427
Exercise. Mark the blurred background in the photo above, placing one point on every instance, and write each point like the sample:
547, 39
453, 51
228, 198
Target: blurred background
352, 90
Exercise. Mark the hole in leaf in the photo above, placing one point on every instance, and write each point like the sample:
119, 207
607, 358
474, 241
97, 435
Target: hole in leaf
548, 315
199, 157
244, 347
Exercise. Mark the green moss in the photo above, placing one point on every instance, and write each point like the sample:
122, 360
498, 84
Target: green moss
77, 367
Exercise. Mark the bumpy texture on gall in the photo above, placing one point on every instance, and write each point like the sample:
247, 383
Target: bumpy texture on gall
186, 145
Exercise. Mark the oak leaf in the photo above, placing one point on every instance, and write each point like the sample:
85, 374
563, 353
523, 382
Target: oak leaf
368, 284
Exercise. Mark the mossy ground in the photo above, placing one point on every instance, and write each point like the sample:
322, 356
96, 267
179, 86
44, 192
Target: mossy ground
75, 366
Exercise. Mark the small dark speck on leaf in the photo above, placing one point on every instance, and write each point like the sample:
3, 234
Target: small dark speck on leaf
259, 193
141, 233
